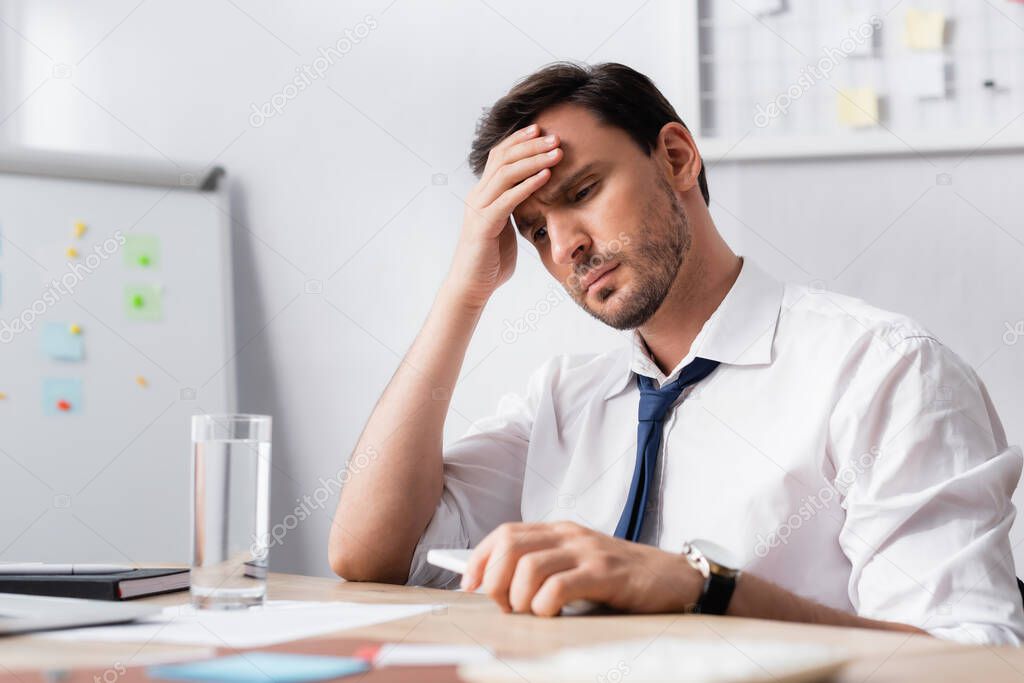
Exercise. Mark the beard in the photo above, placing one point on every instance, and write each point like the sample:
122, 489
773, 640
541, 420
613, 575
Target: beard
660, 248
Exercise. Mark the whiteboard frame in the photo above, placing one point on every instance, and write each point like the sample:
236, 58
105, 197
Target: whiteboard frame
228, 285
72, 165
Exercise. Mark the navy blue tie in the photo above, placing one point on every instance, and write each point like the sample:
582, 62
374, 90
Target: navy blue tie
654, 405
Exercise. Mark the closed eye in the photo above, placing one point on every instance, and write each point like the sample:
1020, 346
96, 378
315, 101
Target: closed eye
538, 234
584, 193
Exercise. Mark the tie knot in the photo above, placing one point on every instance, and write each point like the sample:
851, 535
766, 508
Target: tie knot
655, 403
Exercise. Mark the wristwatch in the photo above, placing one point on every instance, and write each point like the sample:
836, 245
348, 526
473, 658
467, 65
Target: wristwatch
715, 565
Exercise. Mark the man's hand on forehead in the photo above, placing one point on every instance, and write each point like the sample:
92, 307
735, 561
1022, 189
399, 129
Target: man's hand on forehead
556, 146
485, 257
520, 158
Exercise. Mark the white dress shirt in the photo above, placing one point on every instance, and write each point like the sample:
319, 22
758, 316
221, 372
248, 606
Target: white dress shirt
838, 450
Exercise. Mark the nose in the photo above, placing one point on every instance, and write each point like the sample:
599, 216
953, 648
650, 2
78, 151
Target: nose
569, 242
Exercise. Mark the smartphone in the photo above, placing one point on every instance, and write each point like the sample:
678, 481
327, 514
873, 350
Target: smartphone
456, 560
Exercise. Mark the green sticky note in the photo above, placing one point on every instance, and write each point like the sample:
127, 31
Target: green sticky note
141, 251
143, 302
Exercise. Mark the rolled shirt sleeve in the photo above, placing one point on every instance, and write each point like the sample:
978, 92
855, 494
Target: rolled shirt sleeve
483, 481
927, 479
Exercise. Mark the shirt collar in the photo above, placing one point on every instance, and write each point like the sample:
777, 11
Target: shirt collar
739, 332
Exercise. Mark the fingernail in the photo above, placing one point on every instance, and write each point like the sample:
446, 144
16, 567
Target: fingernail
549, 139
553, 152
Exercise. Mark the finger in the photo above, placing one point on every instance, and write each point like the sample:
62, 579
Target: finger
478, 559
514, 196
494, 156
510, 174
496, 216
560, 589
519, 150
504, 556
531, 572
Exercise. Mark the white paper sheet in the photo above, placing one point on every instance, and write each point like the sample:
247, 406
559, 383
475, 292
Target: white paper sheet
924, 74
278, 621
427, 654
668, 659
856, 30
763, 7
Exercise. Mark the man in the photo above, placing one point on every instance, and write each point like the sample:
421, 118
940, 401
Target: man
845, 463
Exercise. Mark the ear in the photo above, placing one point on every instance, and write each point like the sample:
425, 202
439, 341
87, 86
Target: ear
680, 158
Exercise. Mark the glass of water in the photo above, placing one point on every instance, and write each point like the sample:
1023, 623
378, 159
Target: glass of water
230, 510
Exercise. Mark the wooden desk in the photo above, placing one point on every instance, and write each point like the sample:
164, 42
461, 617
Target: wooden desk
469, 618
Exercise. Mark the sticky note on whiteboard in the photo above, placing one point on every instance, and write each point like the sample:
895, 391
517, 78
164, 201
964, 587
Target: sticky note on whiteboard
856, 32
763, 7
857, 107
61, 342
143, 302
924, 75
924, 30
141, 251
62, 396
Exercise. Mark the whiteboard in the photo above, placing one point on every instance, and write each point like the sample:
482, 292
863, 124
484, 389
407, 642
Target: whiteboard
95, 451
768, 75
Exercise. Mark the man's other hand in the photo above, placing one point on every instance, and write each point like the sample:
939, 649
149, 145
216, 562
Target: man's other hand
539, 568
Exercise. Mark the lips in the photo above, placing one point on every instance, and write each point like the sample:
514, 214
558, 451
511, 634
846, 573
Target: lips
596, 275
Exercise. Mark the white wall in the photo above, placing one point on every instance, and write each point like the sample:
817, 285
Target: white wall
338, 188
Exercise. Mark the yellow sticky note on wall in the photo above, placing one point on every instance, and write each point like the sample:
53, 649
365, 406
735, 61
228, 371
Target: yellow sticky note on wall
924, 30
857, 107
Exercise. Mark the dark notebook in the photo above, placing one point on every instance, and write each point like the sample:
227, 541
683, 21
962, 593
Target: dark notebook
119, 586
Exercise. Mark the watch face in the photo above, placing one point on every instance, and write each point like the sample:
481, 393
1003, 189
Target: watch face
716, 554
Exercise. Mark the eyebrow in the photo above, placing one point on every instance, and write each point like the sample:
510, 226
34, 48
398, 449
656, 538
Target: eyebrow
527, 221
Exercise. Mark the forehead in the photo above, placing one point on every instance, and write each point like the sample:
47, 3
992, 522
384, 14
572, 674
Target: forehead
579, 132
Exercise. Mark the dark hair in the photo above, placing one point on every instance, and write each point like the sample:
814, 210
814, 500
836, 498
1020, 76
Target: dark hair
616, 94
